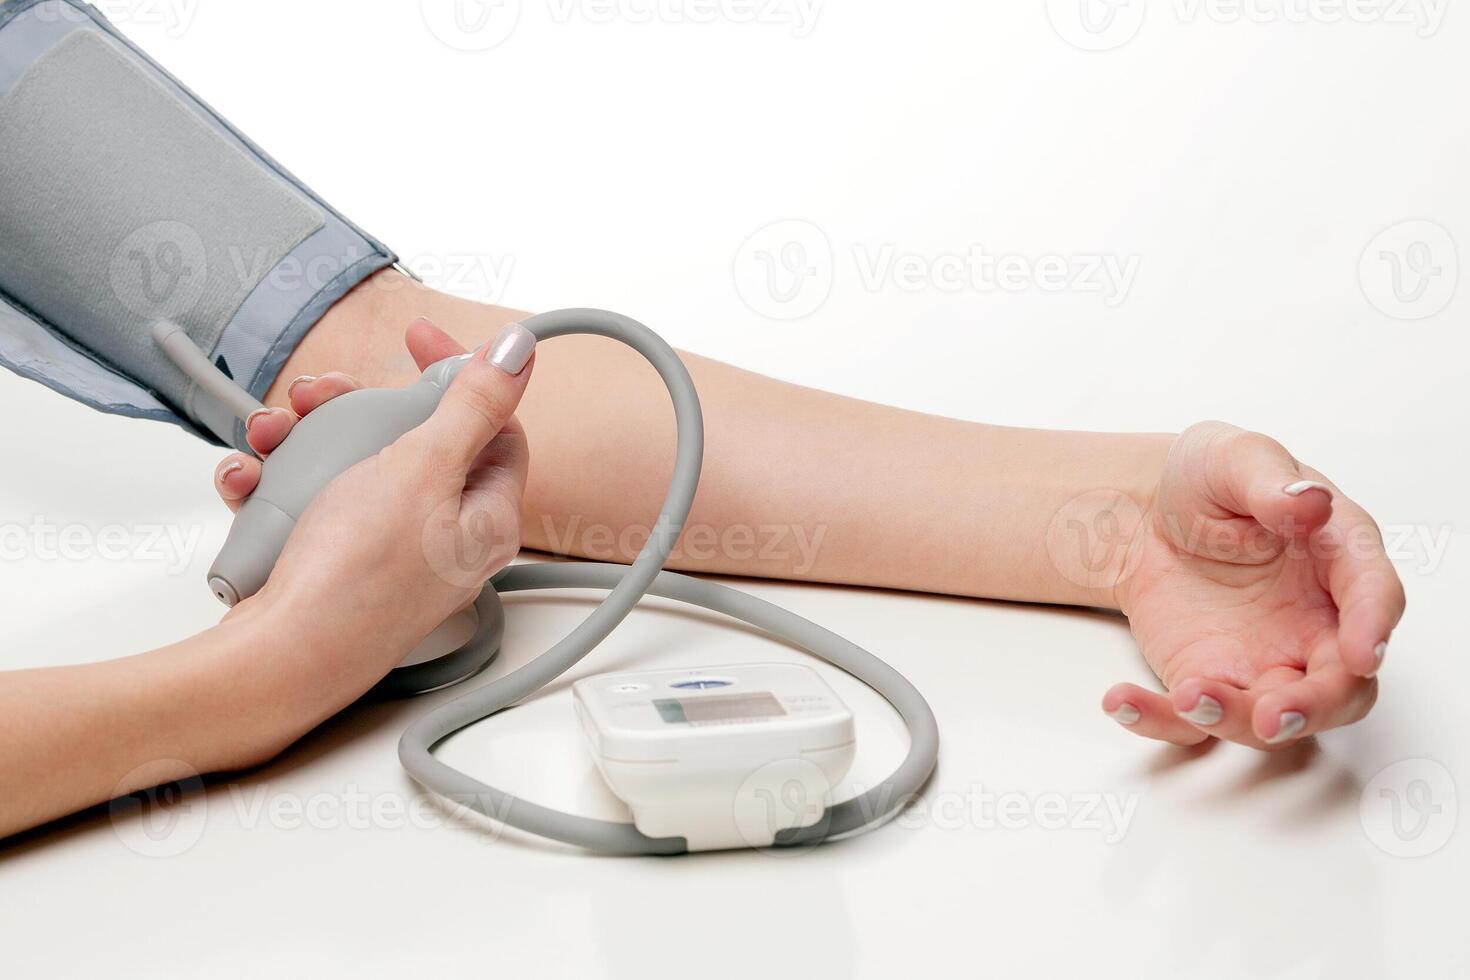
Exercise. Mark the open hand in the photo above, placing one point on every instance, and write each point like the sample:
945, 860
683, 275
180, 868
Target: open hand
1259, 594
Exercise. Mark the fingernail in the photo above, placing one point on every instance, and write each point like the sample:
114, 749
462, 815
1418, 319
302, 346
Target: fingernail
1302, 486
511, 348
421, 319
292, 386
253, 416
1291, 723
1206, 711
1125, 714
224, 471
1379, 652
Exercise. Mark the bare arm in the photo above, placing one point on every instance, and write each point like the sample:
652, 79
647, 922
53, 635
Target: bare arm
1258, 592
74, 736
798, 483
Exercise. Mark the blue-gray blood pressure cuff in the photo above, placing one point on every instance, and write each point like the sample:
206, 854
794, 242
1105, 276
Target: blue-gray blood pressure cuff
125, 200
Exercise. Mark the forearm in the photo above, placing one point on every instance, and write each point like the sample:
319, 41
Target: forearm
797, 483
71, 737
804, 484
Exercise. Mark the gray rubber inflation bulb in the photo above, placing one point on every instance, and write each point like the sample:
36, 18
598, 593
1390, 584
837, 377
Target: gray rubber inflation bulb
255, 541
338, 435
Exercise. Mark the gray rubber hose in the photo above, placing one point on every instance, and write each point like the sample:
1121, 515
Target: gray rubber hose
628, 585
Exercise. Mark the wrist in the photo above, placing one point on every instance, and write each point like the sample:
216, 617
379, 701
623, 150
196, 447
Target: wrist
1141, 512
265, 687
351, 337
229, 713
362, 333
1093, 539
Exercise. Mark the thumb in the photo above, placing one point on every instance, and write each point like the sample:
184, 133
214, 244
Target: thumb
482, 399
1257, 477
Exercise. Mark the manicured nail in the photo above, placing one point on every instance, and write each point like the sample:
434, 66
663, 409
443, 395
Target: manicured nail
234, 466
250, 419
1302, 486
1206, 711
1379, 652
1125, 714
511, 348
292, 386
1291, 723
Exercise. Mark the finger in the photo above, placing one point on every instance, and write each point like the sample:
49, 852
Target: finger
1264, 481
501, 468
480, 401
490, 508
1366, 588
235, 479
308, 393
428, 344
267, 428
1215, 707
1149, 714
1329, 696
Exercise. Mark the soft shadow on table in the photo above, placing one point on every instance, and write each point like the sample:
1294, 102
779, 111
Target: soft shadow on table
350, 725
369, 717
1328, 789
1262, 871
1170, 757
1335, 787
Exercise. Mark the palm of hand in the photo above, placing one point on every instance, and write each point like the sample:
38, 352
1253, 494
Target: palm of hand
1258, 595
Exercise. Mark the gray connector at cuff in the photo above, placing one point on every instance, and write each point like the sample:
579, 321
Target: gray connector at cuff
209, 381
101, 235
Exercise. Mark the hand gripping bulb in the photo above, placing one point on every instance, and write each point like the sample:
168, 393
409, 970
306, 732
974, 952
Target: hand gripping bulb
338, 435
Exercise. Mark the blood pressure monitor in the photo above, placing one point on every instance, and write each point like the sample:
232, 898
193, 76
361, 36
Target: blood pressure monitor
721, 756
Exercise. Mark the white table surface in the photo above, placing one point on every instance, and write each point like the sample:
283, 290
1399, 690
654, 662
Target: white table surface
1246, 167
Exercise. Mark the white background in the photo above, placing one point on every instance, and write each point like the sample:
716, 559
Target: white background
623, 156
